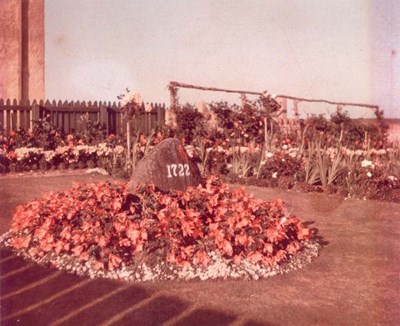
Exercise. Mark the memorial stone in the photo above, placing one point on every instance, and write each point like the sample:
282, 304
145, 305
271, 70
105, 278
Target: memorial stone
168, 166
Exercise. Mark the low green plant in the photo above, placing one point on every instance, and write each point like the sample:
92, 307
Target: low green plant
93, 132
394, 160
311, 169
328, 171
203, 152
241, 163
45, 134
149, 141
323, 167
133, 154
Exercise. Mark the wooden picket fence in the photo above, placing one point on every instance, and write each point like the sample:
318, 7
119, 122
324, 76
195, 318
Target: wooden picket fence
71, 116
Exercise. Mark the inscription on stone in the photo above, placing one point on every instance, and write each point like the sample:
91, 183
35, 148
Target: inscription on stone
168, 166
178, 170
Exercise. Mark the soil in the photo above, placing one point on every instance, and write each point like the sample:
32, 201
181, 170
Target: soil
355, 281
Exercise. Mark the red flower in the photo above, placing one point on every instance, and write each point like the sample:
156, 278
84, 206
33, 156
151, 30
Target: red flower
255, 257
201, 258
21, 242
98, 265
77, 250
186, 225
227, 248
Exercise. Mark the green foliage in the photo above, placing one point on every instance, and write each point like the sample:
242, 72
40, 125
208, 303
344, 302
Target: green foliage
191, 123
357, 134
280, 164
92, 133
232, 142
234, 123
45, 134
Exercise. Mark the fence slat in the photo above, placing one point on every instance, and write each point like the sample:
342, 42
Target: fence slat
2, 119
67, 115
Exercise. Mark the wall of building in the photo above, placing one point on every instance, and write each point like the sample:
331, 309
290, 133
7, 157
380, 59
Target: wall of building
10, 49
22, 49
36, 48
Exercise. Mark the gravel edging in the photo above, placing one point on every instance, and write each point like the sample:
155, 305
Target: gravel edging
219, 268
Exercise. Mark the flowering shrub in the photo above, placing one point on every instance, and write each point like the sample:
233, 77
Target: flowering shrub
105, 226
279, 164
236, 125
190, 123
285, 166
371, 180
357, 134
27, 158
245, 146
131, 103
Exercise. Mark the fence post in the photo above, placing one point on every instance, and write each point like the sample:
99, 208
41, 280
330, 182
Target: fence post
160, 115
35, 113
296, 109
18, 115
170, 115
104, 117
283, 110
120, 124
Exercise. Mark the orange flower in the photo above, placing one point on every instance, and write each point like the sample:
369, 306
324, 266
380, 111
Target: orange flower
133, 235
77, 250
237, 259
113, 261
98, 265
101, 241
124, 242
21, 242
255, 257
227, 248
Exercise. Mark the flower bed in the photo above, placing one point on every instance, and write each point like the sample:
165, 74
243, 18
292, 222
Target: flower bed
241, 146
205, 232
69, 156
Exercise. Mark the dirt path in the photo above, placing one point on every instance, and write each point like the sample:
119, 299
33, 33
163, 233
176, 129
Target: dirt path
355, 281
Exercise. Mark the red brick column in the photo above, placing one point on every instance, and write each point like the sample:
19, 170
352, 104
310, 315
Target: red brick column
22, 49
10, 49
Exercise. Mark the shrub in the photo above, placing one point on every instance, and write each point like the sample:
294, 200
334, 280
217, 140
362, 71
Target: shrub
280, 164
93, 132
190, 123
357, 134
239, 125
45, 135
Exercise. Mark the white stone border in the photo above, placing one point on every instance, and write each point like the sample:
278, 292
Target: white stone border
219, 268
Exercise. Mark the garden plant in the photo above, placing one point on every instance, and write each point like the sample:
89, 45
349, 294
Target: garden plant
205, 232
249, 146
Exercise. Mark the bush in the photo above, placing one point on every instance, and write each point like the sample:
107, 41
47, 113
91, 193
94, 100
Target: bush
191, 123
45, 135
357, 134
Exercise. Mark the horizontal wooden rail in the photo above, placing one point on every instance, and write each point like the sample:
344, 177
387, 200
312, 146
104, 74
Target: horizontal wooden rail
69, 109
300, 99
175, 84
214, 89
